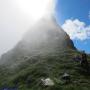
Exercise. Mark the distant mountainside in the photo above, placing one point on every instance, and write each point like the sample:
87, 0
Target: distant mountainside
45, 37
45, 51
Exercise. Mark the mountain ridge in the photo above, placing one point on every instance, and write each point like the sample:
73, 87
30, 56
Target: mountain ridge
45, 51
46, 35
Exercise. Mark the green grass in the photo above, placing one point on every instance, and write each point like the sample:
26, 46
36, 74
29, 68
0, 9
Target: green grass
27, 76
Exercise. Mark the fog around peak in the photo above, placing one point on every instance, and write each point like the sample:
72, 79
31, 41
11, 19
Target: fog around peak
14, 22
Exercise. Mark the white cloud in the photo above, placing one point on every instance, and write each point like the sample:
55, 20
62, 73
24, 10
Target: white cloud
77, 29
36, 9
17, 16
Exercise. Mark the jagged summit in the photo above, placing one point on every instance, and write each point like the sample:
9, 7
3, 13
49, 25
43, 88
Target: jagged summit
45, 37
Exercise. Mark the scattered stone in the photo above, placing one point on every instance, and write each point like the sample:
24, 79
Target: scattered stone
66, 78
47, 82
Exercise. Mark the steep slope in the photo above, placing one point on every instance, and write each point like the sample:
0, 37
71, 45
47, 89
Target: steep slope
28, 75
44, 37
45, 51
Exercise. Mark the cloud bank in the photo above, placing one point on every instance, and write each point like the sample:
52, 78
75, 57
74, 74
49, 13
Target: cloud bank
17, 16
36, 9
77, 29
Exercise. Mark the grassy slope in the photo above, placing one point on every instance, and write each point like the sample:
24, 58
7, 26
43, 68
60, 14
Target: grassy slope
28, 76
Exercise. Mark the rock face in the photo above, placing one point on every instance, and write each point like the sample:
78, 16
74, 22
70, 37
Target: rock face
45, 37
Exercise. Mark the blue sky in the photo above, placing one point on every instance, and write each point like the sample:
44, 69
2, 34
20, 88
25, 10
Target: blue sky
16, 18
75, 14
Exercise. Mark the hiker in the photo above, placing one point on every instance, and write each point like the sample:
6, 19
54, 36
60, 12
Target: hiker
77, 58
84, 62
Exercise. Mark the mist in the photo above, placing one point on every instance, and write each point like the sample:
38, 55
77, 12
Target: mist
32, 36
44, 38
16, 18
